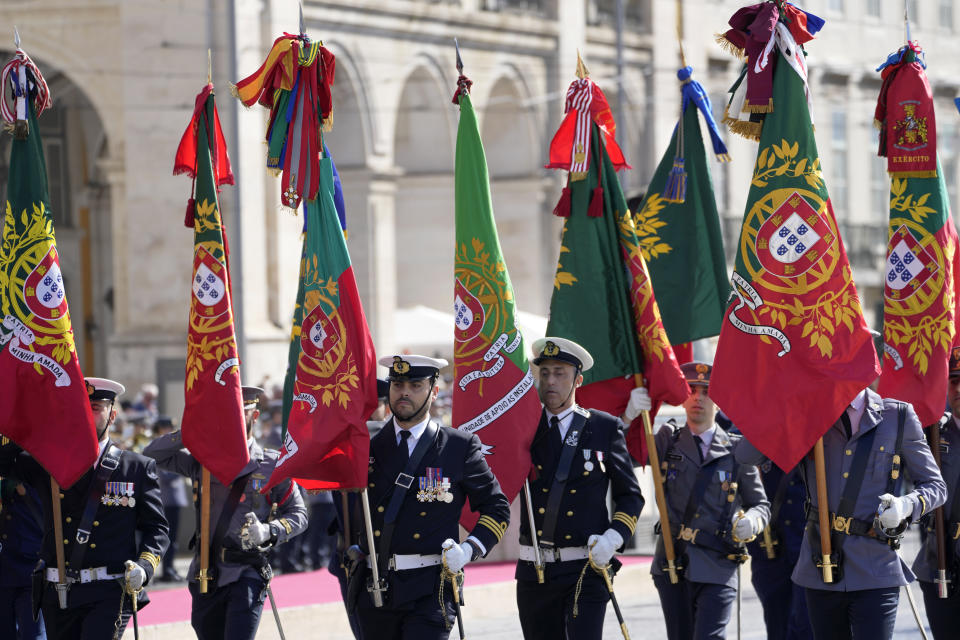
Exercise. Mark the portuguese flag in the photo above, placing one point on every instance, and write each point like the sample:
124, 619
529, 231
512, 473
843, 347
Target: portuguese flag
493, 394
679, 228
794, 349
44, 406
603, 299
331, 384
919, 312
213, 426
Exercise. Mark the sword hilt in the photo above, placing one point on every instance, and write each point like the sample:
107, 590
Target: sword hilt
62, 589
672, 572
203, 579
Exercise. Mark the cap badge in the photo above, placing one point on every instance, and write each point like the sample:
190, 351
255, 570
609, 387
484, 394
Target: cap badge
400, 366
551, 349
90, 388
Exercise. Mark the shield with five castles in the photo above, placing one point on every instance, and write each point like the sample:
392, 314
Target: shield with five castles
318, 335
791, 240
209, 285
43, 289
909, 265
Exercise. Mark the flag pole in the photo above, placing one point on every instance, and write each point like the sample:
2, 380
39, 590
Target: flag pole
376, 591
203, 576
666, 533
62, 585
939, 526
823, 511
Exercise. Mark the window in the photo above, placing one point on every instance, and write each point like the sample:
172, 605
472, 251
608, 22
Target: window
879, 184
835, 6
604, 12
718, 170
837, 187
946, 15
913, 11
873, 8
947, 150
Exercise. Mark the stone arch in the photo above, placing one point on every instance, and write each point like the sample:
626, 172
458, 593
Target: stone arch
350, 139
423, 155
76, 148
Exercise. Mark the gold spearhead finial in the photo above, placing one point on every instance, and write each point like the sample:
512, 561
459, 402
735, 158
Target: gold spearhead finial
582, 71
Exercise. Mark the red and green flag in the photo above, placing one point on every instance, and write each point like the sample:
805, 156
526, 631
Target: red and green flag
919, 303
603, 298
679, 228
493, 394
331, 384
44, 406
794, 348
213, 427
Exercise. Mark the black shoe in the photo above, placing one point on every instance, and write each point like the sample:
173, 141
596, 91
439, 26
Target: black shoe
171, 576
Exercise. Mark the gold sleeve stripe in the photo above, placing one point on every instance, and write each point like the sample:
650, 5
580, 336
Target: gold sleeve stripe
629, 521
286, 525
923, 505
152, 558
498, 528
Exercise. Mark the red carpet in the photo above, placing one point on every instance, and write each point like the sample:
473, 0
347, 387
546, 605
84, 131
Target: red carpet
317, 587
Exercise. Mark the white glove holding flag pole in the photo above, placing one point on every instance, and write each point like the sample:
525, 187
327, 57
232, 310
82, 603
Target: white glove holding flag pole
254, 533
745, 528
456, 555
134, 577
638, 403
603, 547
893, 510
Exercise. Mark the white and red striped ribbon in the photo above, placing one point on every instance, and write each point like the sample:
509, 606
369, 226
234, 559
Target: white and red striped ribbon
580, 98
14, 73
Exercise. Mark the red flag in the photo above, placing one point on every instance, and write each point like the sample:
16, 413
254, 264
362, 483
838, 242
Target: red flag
44, 406
213, 423
794, 348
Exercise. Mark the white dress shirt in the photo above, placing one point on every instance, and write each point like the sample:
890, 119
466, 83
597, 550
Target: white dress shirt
415, 432
565, 417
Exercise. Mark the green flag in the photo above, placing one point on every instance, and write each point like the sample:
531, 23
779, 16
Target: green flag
681, 241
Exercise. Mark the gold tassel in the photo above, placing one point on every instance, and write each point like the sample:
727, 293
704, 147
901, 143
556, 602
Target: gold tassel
729, 47
757, 108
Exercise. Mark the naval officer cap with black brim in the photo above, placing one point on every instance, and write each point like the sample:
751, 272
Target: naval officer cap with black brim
563, 350
103, 389
411, 367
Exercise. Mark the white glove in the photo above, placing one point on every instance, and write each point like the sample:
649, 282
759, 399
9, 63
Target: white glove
254, 533
745, 528
893, 510
603, 547
456, 555
134, 577
639, 401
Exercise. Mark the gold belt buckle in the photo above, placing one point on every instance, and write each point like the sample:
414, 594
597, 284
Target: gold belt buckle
841, 524
687, 534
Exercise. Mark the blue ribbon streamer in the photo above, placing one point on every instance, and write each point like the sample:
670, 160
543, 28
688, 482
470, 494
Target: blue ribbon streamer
693, 92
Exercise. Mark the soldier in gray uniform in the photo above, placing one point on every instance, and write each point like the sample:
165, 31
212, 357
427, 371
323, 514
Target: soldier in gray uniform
245, 524
715, 506
874, 441
944, 613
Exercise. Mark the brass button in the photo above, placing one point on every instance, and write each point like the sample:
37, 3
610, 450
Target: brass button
65, 541
371, 485
96, 523
416, 536
572, 491
786, 522
61, 495
586, 473
376, 533
380, 509
541, 510
567, 537
848, 452
569, 513
93, 545
881, 447
789, 501
539, 532
545, 490
423, 513
846, 474
696, 515
69, 519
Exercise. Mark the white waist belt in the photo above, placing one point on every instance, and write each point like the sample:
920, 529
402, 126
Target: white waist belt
558, 554
86, 575
404, 562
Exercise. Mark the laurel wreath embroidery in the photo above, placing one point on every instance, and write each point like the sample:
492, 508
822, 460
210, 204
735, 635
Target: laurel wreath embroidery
37, 228
929, 333
207, 218
652, 336
822, 319
340, 389
645, 225
563, 277
906, 204
493, 272
781, 160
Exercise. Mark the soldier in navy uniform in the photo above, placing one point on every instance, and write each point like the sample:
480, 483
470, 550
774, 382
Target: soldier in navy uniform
250, 524
577, 455
866, 452
944, 613
174, 495
103, 556
21, 534
421, 474
715, 505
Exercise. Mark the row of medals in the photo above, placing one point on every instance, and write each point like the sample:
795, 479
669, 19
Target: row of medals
122, 498
430, 492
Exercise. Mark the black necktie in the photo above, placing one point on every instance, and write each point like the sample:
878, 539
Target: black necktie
699, 442
847, 429
404, 450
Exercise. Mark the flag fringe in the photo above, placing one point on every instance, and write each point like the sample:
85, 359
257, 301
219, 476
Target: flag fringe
578, 175
878, 124
757, 108
744, 128
729, 47
912, 174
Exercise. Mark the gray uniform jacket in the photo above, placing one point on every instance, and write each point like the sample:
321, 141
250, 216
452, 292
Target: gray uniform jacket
868, 563
682, 468
925, 566
170, 454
